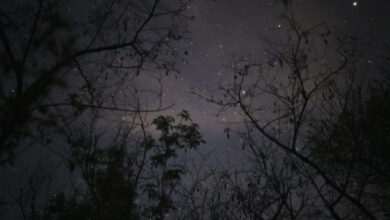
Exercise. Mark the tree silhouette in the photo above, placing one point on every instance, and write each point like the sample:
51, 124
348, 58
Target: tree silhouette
127, 179
71, 74
301, 83
59, 56
357, 138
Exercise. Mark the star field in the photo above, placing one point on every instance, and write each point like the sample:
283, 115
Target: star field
229, 29
223, 37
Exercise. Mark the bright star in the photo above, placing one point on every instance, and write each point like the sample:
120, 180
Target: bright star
355, 4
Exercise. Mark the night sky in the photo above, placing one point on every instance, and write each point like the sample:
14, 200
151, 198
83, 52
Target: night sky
226, 30
229, 29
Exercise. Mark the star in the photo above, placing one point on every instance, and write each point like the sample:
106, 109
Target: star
355, 4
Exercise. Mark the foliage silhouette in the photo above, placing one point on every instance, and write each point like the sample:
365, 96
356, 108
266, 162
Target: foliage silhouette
116, 177
353, 146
